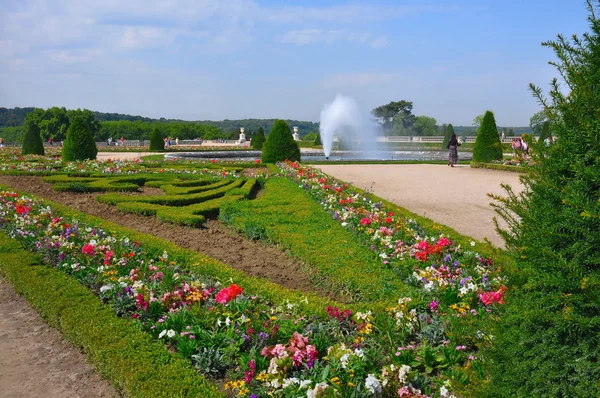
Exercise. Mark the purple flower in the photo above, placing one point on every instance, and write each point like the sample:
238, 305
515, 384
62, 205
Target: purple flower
433, 306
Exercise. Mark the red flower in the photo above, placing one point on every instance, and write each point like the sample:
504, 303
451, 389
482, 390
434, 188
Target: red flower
88, 249
388, 220
20, 209
227, 294
365, 221
257, 160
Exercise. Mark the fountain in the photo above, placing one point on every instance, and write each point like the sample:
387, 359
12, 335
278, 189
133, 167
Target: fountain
354, 129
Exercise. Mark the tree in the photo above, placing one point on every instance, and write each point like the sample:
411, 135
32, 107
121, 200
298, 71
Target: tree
280, 144
425, 125
79, 143
157, 142
318, 140
536, 122
399, 111
478, 120
487, 146
88, 116
546, 342
449, 132
259, 138
32, 143
545, 133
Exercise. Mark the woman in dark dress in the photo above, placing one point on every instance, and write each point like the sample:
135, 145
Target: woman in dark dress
453, 145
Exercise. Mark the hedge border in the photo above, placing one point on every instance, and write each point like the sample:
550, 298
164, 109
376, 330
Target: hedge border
127, 357
502, 167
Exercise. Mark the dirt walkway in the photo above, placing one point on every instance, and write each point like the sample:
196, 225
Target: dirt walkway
456, 196
36, 361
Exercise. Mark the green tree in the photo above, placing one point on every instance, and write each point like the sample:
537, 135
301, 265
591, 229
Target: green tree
88, 116
487, 145
478, 120
395, 112
310, 137
280, 144
79, 143
447, 135
425, 125
157, 142
546, 342
318, 140
536, 122
32, 143
259, 138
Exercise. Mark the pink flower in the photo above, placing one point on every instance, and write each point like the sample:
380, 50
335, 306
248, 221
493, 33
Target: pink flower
488, 298
433, 306
365, 221
443, 242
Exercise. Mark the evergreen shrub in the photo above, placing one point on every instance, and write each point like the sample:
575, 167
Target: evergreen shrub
157, 143
487, 146
258, 138
318, 140
547, 341
79, 144
32, 142
447, 135
280, 144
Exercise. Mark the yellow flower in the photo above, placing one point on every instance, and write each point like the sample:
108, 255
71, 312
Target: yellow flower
228, 385
238, 384
243, 392
336, 380
359, 340
350, 384
262, 376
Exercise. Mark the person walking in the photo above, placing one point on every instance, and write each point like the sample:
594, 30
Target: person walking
453, 145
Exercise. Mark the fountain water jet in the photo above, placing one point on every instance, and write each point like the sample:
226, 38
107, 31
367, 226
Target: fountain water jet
354, 127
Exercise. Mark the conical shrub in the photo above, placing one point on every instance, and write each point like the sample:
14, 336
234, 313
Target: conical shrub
280, 144
258, 138
546, 343
157, 142
488, 146
32, 142
447, 135
79, 144
318, 140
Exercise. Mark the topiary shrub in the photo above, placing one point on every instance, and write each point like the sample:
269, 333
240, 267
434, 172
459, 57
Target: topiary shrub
32, 142
156, 141
487, 146
547, 341
258, 138
280, 144
79, 144
447, 135
318, 140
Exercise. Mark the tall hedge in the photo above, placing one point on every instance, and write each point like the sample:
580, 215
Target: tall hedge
258, 138
488, 146
280, 144
545, 133
157, 142
32, 142
79, 144
447, 135
547, 343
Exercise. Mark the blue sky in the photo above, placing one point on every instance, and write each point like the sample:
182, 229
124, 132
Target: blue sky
208, 59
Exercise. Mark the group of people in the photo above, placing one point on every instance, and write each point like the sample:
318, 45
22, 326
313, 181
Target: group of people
168, 141
120, 141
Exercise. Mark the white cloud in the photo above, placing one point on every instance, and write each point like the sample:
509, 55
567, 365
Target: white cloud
359, 79
318, 36
137, 37
379, 42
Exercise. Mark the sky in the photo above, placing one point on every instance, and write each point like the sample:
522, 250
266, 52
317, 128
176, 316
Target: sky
236, 59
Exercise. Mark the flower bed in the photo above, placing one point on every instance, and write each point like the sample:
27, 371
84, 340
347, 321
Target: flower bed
263, 347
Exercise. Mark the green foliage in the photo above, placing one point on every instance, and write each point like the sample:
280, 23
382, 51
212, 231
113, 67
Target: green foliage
32, 143
397, 113
318, 140
425, 125
123, 354
546, 342
258, 139
288, 216
487, 146
537, 121
156, 141
280, 144
447, 135
545, 132
80, 144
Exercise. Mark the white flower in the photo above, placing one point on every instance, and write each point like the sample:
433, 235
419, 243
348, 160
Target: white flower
227, 321
359, 353
93, 242
171, 333
372, 384
403, 372
305, 383
105, 288
160, 336
344, 360
290, 381
472, 243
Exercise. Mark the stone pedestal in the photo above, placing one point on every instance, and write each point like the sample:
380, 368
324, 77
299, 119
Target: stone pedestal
296, 135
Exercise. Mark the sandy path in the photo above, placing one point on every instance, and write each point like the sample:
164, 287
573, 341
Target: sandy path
456, 197
36, 361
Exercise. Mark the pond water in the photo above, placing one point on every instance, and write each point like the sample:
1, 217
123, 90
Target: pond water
320, 156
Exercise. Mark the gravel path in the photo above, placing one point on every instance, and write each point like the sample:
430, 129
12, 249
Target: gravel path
453, 196
36, 361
